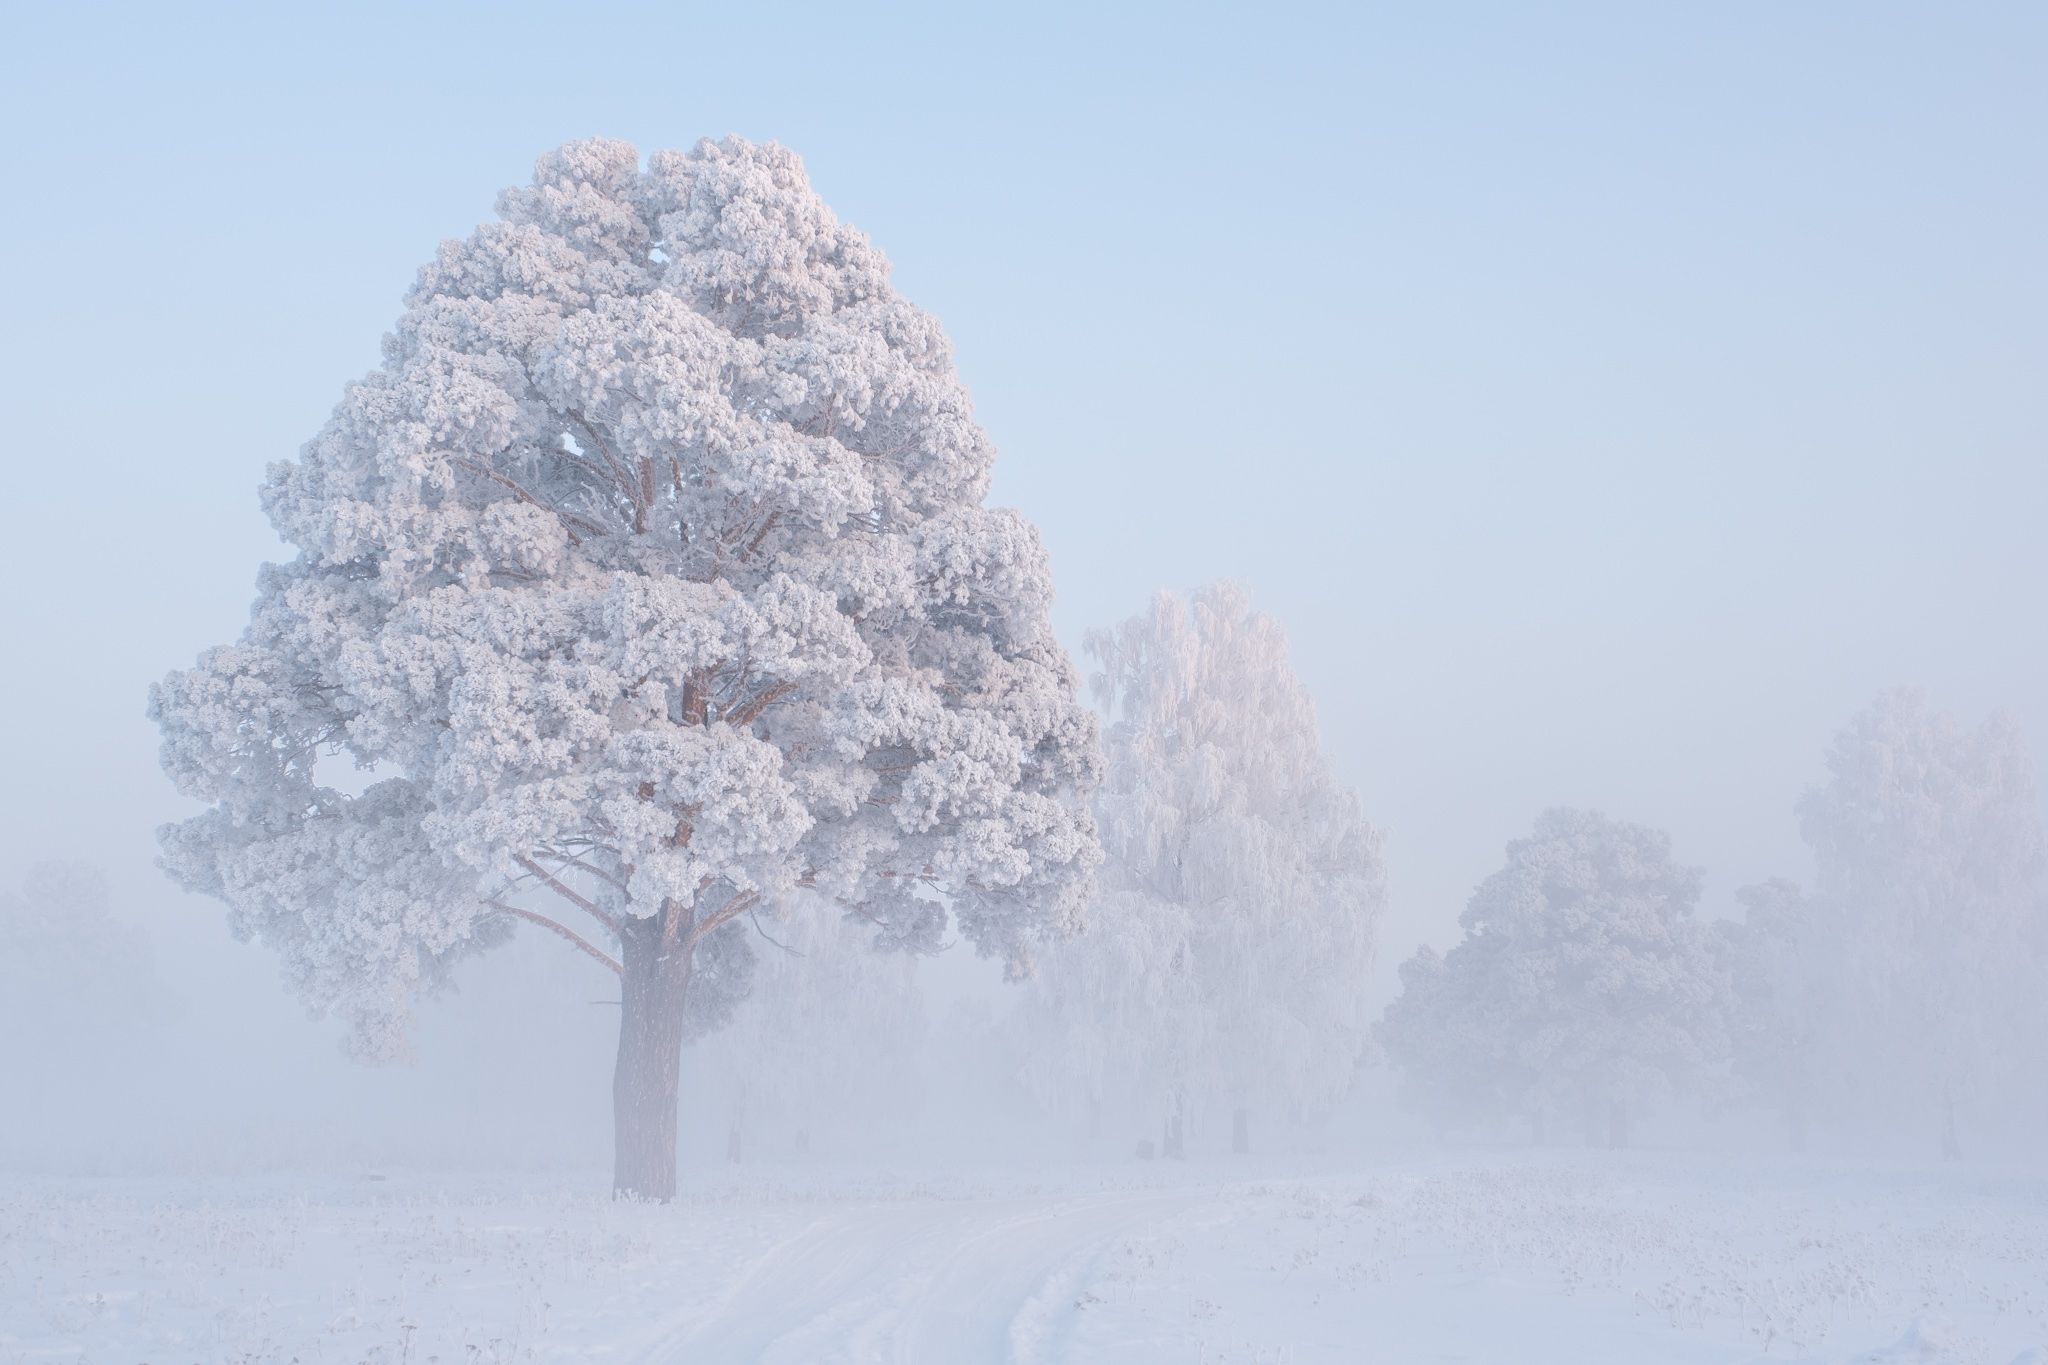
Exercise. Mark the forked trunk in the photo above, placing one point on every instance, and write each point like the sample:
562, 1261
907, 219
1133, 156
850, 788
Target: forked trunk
654, 983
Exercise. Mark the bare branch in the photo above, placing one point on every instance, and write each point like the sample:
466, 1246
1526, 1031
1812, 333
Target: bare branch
568, 893
756, 919
582, 943
591, 868
725, 914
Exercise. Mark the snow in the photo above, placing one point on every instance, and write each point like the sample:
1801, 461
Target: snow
1532, 1255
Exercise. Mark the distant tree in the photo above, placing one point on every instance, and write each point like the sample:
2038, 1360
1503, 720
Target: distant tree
1458, 1058
828, 1027
82, 1010
69, 970
647, 581
1777, 961
1584, 981
1243, 887
1928, 913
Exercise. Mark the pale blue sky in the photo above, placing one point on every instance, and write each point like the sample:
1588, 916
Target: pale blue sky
1610, 398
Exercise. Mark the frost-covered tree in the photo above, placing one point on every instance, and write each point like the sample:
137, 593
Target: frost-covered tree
1775, 958
1927, 854
69, 971
647, 581
1243, 887
1457, 1055
1584, 983
828, 1029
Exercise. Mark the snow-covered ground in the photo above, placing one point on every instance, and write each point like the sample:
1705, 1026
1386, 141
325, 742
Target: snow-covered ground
1532, 1257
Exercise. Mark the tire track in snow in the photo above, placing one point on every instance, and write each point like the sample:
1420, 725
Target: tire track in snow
916, 1283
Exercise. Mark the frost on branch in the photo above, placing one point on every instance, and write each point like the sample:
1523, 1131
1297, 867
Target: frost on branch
648, 576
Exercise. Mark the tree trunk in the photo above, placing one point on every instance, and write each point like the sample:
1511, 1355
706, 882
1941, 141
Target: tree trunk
653, 986
1241, 1131
1795, 1126
1617, 1126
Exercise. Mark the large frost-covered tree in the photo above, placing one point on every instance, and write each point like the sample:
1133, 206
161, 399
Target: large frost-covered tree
647, 581
1928, 914
1584, 982
1243, 888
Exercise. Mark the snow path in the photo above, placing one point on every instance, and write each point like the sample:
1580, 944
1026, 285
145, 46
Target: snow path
965, 1281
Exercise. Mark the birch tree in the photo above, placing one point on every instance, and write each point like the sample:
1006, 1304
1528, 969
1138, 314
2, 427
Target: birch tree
1927, 856
648, 580
828, 1029
1243, 888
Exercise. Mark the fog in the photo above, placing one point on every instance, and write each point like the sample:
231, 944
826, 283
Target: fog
1602, 413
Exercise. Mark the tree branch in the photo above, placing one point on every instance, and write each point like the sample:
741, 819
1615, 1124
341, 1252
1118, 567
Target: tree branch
519, 491
726, 914
793, 952
564, 930
750, 711
568, 893
591, 868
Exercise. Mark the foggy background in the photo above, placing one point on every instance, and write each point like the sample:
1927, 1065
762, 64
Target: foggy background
1608, 405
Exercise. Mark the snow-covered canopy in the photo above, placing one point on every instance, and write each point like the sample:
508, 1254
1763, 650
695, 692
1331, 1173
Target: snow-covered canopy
1243, 888
1583, 978
650, 571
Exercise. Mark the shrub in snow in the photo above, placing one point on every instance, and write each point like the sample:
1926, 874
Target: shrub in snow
648, 580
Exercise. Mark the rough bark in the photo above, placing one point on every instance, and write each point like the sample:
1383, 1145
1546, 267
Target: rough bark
654, 984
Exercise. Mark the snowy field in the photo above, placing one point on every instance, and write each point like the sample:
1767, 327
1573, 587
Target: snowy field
1531, 1257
